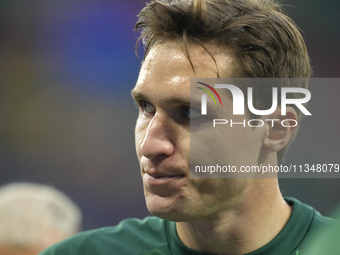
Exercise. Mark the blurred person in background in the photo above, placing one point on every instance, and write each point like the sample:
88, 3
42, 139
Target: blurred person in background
33, 217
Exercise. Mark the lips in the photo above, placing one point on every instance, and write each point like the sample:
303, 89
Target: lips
163, 175
163, 179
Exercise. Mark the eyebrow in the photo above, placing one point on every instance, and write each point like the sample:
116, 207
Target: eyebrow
173, 100
136, 94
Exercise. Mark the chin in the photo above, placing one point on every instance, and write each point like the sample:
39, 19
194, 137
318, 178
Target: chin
168, 208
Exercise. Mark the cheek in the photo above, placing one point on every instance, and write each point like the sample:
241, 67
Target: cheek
183, 145
140, 131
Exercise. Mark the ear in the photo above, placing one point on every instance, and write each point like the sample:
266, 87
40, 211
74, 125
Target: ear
281, 128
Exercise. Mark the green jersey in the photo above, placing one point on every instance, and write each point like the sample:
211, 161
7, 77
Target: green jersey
327, 240
154, 236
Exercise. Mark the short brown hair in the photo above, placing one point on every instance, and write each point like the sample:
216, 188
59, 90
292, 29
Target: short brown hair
263, 41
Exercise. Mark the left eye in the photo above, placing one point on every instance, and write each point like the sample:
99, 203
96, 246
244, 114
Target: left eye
190, 113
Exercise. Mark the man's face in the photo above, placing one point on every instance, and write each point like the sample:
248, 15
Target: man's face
163, 137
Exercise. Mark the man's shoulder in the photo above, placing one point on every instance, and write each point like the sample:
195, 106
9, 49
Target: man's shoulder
129, 235
305, 222
317, 218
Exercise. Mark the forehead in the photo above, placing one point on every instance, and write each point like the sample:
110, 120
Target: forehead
167, 68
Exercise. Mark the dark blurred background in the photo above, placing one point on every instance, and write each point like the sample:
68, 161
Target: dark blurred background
67, 118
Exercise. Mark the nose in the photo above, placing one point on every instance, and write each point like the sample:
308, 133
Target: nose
157, 140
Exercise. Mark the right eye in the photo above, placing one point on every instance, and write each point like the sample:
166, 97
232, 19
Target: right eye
147, 107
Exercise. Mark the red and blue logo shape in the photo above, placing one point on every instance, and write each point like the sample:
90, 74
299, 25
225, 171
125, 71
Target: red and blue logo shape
204, 97
208, 92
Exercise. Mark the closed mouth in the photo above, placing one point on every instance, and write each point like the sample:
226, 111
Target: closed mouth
165, 176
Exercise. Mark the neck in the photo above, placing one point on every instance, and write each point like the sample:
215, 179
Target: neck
248, 225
